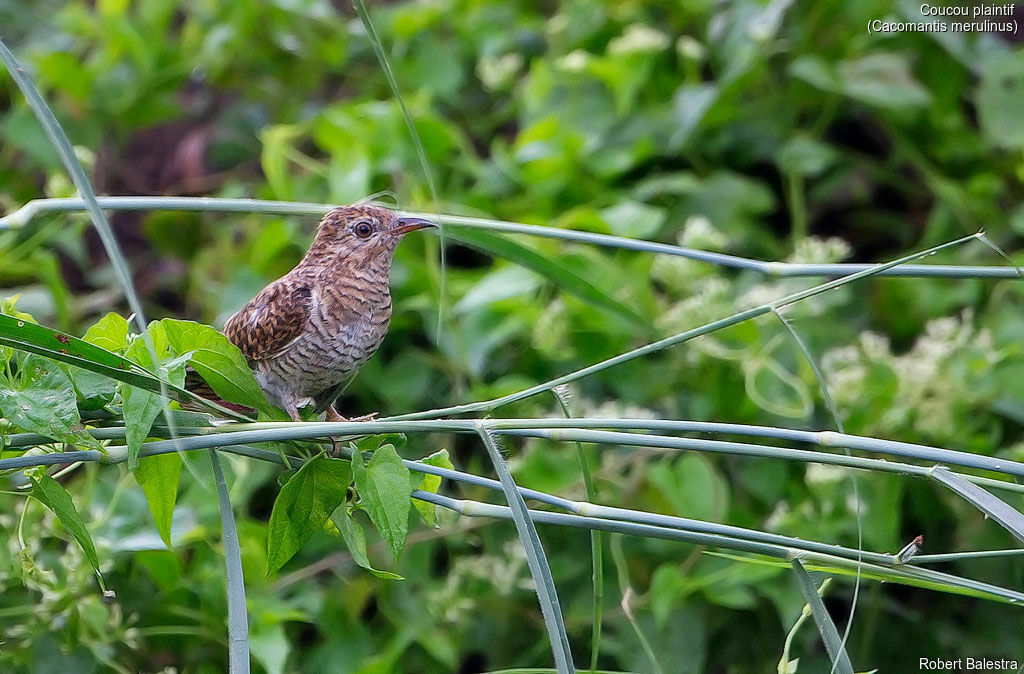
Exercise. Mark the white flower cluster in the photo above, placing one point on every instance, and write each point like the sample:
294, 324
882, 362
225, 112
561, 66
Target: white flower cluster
709, 300
698, 232
706, 294
815, 250
504, 574
678, 273
915, 385
810, 250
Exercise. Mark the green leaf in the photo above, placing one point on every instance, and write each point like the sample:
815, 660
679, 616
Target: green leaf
999, 96
352, 532
26, 336
384, 490
883, 80
691, 104
634, 219
94, 391
9, 306
303, 506
552, 269
62, 347
371, 442
110, 333
40, 398
138, 351
278, 145
912, 576
140, 406
349, 175
218, 362
158, 476
48, 491
430, 483
691, 487
1005, 515
806, 156
497, 285
774, 388
269, 647
826, 627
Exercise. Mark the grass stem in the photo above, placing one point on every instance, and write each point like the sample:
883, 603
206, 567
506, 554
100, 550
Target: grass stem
31, 209
238, 622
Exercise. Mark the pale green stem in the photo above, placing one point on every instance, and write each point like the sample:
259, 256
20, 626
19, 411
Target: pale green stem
596, 539
238, 622
826, 394
804, 615
622, 570
577, 429
33, 208
535, 557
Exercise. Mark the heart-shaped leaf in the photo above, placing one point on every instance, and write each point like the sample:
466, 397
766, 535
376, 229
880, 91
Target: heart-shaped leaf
383, 486
430, 483
218, 362
355, 540
40, 398
49, 492
158, 476
303, 506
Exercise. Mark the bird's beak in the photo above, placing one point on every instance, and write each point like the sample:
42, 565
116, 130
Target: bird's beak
406, 225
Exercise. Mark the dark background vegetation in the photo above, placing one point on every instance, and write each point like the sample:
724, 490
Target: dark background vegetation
781, 131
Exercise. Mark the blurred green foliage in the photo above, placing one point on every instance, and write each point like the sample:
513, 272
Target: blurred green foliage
777, 131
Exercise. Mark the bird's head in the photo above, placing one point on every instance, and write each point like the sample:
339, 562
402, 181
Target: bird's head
362, 233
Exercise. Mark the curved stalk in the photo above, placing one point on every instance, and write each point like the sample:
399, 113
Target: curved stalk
31, 209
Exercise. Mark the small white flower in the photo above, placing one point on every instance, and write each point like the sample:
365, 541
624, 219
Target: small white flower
760, 294
557, 24
817, 474
698, 232
777, 517
690, 49
874, 345
677, 273
574, 62
815, 250
498, 72
637, 39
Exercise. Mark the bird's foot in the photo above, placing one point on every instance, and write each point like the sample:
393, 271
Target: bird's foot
333, 415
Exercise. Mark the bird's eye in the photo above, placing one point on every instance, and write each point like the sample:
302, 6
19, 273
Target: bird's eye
363, 230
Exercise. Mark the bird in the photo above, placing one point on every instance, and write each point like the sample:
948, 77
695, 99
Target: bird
309, 332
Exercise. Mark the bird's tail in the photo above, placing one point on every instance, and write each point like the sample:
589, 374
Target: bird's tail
194, 383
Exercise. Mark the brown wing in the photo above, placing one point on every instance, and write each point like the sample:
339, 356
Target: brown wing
272, 320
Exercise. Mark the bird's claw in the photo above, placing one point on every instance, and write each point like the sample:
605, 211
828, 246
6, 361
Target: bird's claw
333, 415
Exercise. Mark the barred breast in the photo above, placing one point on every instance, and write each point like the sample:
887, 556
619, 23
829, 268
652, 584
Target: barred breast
348, 320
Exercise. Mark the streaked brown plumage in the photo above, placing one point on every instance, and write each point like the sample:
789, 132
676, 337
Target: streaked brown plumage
307, 333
